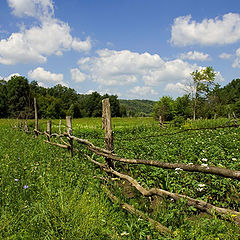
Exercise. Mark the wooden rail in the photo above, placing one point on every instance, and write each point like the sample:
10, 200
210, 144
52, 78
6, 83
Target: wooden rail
110, 158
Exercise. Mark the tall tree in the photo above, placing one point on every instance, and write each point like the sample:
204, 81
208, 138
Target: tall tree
3, 99
203, 81
165, 108
18, 93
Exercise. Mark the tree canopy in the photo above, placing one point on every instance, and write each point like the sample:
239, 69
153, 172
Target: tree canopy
16, 100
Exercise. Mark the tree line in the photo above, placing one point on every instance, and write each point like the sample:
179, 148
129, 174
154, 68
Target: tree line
203, 99
16, 101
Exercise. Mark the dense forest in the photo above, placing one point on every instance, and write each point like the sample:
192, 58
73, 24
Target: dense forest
16, 100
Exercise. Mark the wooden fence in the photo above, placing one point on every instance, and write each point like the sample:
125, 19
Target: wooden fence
68, 141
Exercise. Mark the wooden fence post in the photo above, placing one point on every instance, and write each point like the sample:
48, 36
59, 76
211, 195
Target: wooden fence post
107, 126
26, 126
36, 117
59, 127
49, 129
160, 121
235, 118
69, 132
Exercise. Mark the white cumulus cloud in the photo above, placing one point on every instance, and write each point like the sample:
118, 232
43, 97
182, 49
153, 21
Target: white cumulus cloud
46, 77
140, 74
179, 88
50, 36
195, 55
32, 8
79, 45
224, 30
143, 91
9, 76
77, 75
124, 67
236, 63
225, 56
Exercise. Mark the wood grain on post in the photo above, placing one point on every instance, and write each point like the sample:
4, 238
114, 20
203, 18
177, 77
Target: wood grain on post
36, 116
107, 125
69, 132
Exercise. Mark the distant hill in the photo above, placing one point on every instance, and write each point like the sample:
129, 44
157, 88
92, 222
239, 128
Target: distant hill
137, 107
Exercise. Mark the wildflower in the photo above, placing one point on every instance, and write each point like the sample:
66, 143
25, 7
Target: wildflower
204, 165
177, 170
124, 233
201, 187
190, 163
204, 159
234, 159
25, 186
16, 179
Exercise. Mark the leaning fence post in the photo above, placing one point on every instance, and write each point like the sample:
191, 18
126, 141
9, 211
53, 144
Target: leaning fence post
69, 132
49, 129
36, 117
107, 126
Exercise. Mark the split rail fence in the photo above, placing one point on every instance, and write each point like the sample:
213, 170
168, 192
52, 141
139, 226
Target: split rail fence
110, 158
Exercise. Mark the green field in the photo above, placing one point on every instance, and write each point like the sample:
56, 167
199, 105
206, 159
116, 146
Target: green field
46, 194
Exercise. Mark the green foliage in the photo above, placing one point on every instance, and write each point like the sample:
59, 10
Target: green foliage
135, 107
18, 96
165, 108
64, 198
16, 100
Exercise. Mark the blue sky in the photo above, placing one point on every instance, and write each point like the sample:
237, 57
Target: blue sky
133, 48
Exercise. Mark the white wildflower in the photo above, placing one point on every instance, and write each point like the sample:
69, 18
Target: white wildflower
178, 169
204, 159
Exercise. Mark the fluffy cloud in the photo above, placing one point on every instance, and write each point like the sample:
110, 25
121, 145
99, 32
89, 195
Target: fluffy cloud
179, 88
119, 67
142, 91
77, 76
236, 63
51, 36
79, 45
225, 30
115, 68
9, 77
45, 77
33, 8
171, 71
16, 49
225, 56
195, 55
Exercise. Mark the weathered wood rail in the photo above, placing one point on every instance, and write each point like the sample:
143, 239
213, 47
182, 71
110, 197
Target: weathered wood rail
110, 158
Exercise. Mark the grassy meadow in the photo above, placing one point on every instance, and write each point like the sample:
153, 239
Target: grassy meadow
47, 194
